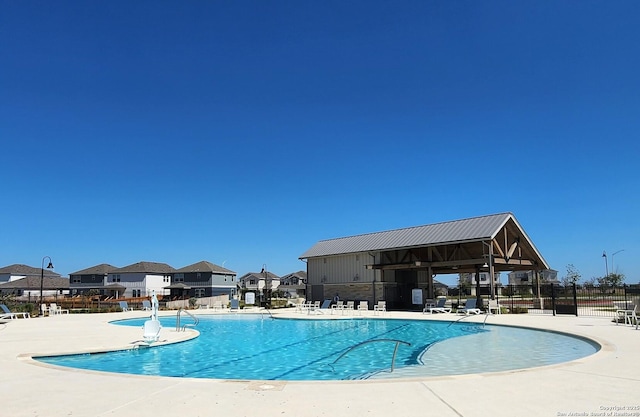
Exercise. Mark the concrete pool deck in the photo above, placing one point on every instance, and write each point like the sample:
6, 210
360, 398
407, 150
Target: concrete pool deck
605, 383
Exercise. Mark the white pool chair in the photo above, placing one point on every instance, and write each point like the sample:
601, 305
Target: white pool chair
56, 309
494, 305
338, 306
626, 315
380, 307
151, 331
363, 306
348, 308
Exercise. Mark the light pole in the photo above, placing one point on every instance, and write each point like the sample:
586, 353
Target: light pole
613, 271
606, 265
50, 266
267, 287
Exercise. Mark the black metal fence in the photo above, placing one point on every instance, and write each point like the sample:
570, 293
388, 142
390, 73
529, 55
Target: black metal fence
598, 301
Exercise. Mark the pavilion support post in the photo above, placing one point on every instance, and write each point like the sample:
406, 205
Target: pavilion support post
431, 291
478, 297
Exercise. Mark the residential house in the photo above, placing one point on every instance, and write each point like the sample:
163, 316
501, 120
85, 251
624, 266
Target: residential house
294, 284
547, 276
90, 279
203, 279
27, 281
259, 283
139, 279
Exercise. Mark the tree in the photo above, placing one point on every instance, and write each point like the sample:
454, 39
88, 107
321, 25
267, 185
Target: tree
611, 280
572, 277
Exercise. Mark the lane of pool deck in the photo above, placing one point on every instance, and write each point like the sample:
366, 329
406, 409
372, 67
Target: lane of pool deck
599, 383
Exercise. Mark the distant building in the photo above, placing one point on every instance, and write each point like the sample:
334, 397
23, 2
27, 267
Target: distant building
24, 280
139, 279
294, 284
547, 276
205, 279
259, 283
92, 279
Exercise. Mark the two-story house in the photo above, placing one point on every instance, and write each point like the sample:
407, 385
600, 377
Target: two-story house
139, 279
94, 278
204, 279
294, 284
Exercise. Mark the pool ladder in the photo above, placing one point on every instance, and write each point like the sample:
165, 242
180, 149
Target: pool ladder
184, 327
393, 359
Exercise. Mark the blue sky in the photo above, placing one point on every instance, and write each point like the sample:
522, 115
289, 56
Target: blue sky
242, 132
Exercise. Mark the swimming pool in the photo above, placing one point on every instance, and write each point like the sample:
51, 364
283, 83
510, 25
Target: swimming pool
252, 347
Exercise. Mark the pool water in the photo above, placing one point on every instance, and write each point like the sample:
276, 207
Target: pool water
254, 347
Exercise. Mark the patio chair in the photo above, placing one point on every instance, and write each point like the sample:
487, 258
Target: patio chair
469, 307
44, 310
314, 307
437, 308
151, 331
380, 307
56, 309
338, 306
494, 305
363, 306
8, 314
146, 305
325, 305
125, 306
348, 308
235, 305
626, 315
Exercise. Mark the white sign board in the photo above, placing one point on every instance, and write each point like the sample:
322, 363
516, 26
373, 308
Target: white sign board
416, 296
250, 298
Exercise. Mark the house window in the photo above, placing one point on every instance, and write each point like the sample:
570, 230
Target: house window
76, 280
179, 278
198, 275
115, 278
199, 292
252, 282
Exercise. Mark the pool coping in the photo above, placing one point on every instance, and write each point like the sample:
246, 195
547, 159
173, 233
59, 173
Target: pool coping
33, 392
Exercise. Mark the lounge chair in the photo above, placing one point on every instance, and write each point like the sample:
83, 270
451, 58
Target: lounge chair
235, 305
8, 314
151, 331
438, 307
469, 307
325, 304
125, 306
363, 306
146, 305
381, 307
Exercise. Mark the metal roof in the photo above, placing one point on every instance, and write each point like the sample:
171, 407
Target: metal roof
473, 229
